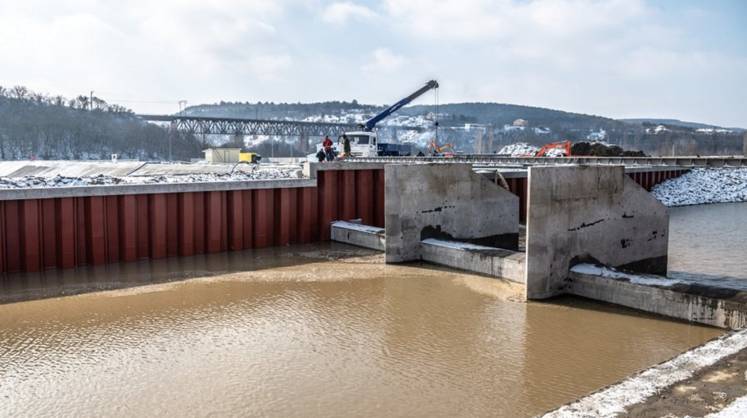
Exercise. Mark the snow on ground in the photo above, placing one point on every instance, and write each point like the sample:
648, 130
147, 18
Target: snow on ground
704, 185
615, 399
519, 149
258, 173
737, 409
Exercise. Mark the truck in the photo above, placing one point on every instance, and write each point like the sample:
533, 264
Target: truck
364, 142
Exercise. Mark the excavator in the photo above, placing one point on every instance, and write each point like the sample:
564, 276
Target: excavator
439, 150
555, 149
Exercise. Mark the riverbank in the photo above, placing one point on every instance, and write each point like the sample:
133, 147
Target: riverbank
704, 381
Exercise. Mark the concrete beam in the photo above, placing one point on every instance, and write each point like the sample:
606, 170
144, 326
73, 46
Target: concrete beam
359, 235
590, 214
702, 303
480, 259
447, 202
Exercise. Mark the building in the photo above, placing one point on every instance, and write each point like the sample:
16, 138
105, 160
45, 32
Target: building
222, 155
521, 122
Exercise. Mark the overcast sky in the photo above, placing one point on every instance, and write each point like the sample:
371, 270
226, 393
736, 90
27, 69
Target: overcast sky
617, 58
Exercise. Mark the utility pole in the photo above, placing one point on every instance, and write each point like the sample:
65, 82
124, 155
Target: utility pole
90, 102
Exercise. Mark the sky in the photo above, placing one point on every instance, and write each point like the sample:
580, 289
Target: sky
617, 58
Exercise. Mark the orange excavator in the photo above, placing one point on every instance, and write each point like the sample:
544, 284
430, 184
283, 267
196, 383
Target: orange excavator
440, 149
555, 149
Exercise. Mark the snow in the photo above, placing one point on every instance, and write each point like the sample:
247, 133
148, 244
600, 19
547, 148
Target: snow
704, 185
555, 153
519, 149
509, 128
597, 136
614, 399
714, 130
358, 227
456, 245
253, 174
737, 409
646, 280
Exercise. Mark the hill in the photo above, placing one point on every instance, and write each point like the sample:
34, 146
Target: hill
36, 126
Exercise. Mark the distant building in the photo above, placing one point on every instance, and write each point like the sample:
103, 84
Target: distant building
222, 155
521, 122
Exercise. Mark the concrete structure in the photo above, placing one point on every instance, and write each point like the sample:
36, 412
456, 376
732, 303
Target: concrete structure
705, 302
590, 213
489, 261
445, 202
222, 155
355, 233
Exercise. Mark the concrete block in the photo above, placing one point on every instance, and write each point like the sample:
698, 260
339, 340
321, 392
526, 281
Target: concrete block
448, 202
359, 235
489, 261
729, 313
590, 214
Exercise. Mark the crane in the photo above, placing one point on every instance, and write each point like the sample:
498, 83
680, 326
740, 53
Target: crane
363, 143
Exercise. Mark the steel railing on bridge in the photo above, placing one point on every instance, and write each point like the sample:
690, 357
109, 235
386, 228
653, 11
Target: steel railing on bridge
208, 125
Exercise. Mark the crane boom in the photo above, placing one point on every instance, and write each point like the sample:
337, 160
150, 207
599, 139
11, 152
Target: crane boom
369, 125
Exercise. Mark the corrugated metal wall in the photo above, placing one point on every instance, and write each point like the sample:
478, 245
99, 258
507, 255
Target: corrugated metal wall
38, 234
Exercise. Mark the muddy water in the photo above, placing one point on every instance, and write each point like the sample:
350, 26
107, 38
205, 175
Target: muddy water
709, 241
310, 331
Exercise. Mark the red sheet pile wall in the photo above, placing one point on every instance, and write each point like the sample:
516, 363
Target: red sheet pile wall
37, 234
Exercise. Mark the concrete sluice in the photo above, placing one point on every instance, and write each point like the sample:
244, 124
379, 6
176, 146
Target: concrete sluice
583, 223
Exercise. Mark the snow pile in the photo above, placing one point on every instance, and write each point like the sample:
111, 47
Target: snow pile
421, 139
555, 153
610, 273
599, 135
704, 185
519, 149
262, 173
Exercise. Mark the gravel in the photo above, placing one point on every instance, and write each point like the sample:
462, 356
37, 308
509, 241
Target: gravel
704, 185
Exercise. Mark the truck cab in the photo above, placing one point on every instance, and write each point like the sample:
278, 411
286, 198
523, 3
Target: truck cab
362, 144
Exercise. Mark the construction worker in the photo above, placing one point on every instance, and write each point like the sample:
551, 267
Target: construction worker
327, 145
346, 145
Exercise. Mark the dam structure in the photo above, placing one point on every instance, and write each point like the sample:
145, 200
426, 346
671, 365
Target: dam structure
580, 228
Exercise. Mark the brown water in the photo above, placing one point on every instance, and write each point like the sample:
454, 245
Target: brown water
311, 331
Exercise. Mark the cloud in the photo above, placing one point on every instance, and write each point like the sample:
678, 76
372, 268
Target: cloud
342, 12
382, 60
609, 57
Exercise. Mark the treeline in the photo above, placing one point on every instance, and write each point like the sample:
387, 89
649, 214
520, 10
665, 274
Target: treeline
39, 126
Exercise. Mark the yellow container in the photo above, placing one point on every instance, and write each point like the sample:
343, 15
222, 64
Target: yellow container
247, 157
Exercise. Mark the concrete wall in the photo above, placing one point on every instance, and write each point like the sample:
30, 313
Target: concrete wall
446, 202
590, 213
722, 313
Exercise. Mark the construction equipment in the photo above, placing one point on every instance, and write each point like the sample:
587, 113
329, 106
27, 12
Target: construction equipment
555, 149
249, 157
364, 143
439, 150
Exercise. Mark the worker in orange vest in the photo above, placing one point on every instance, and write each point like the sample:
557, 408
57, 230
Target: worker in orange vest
327, 145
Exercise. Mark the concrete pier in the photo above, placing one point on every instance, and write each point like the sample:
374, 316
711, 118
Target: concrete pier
490, 261
722, 305
590, 214
445, 202
357, 234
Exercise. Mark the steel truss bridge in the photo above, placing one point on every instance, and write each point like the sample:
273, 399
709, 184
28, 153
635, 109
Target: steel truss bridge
206, 125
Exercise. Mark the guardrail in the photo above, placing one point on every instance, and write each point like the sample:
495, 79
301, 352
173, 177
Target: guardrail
688, 162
